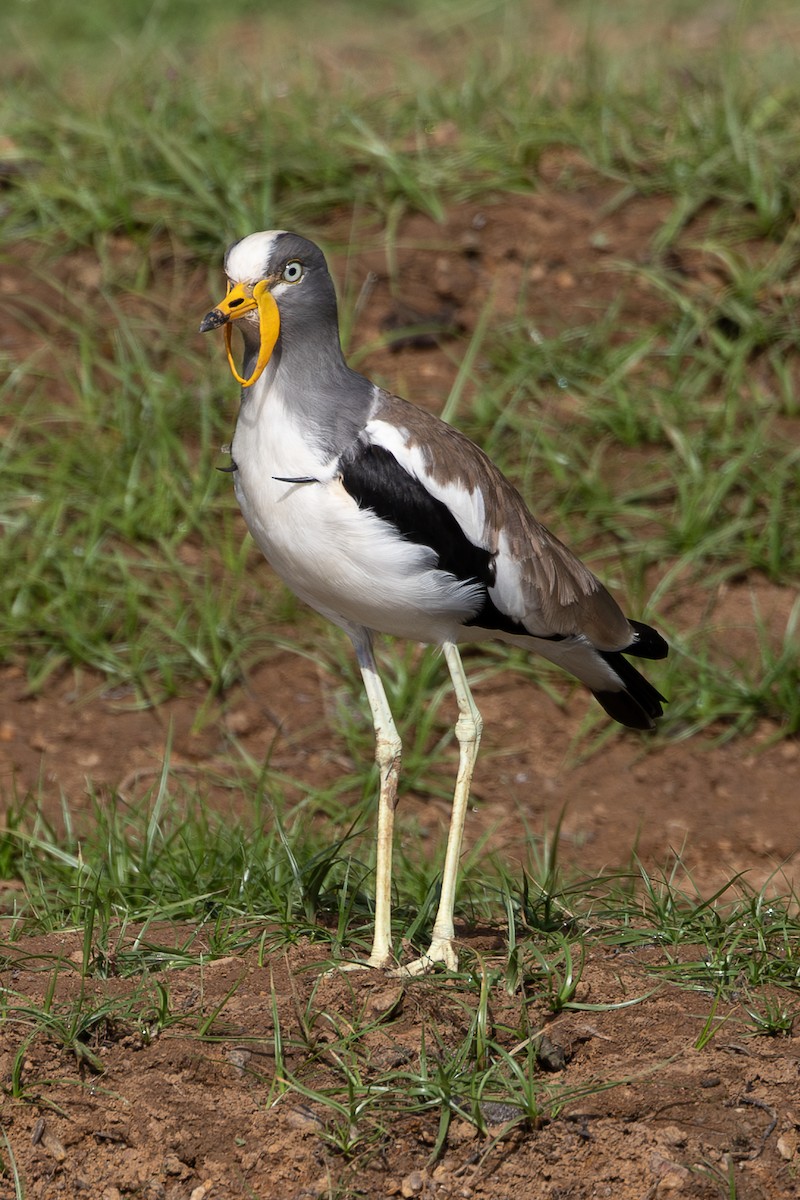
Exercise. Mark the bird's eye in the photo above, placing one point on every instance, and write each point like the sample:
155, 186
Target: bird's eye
293, 272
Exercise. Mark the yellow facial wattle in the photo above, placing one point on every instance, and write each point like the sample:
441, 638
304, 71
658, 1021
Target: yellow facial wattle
239, 301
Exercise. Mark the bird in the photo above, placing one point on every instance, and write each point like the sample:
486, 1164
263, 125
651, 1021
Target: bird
387, 520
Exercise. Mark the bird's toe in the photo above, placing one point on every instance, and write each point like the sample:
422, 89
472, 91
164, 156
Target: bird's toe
441, 950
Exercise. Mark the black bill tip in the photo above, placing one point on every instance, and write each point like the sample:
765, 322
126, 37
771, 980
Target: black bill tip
213, 320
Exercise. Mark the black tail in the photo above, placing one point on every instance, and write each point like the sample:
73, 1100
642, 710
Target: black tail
637, 703
649, 642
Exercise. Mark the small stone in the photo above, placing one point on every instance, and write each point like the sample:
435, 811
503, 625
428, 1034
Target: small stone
202, 1191
53, 1146
304, 1120
239, 722
671, 1135
8, 731
673, 1177
88, 275
549, 1054
319, 1187
602, 242
787, 1145
239, 1058
674, 1181
174, 1166
38, 741
461, 1131
444, 133
388, 1058
387, 1002
412, 1185
495, 1113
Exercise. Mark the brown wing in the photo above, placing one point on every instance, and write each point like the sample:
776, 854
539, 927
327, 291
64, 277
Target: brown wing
556, 590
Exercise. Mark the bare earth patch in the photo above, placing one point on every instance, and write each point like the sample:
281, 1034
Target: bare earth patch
637, 1110
177, 1115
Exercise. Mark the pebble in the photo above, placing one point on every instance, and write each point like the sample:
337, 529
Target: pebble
386, 1002
674, 1181
239, 1058
174, 1166
319, 1187
671, 1135
673, 1177
787, 1145
239, 721
461, 1131
304, 1120
53, 1146
495, 1112
412, 1185
38, 741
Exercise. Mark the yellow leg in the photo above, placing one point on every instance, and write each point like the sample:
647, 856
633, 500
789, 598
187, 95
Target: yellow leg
468, 732
388, 748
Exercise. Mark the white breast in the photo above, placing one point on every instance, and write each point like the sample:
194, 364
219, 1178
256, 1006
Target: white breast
343, 561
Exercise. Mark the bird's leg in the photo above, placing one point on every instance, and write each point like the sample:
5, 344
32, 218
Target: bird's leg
468, 732
388, 749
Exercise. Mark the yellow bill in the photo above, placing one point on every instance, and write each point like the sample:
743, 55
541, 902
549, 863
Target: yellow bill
241, 299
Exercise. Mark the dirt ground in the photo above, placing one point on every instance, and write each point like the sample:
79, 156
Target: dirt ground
177, 1118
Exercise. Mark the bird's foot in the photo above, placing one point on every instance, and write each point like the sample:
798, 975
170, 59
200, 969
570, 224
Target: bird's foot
375, 962
441, 950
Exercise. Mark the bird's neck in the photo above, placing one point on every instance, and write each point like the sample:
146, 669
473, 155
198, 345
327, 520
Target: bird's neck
312, 384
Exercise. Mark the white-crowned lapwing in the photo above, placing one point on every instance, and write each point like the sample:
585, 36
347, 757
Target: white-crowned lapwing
387, 520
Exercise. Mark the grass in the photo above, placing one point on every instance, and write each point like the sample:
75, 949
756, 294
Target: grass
153, 894
665, 447
139, 865
144, 169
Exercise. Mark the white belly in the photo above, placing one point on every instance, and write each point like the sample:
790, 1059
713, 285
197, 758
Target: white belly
342, 560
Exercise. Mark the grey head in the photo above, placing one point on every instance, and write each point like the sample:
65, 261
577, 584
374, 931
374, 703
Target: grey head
297, 276
307, 362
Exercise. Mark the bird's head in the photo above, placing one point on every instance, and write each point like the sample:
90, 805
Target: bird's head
276, 281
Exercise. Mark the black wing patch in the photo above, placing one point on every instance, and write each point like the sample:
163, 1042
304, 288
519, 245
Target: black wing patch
376, 480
